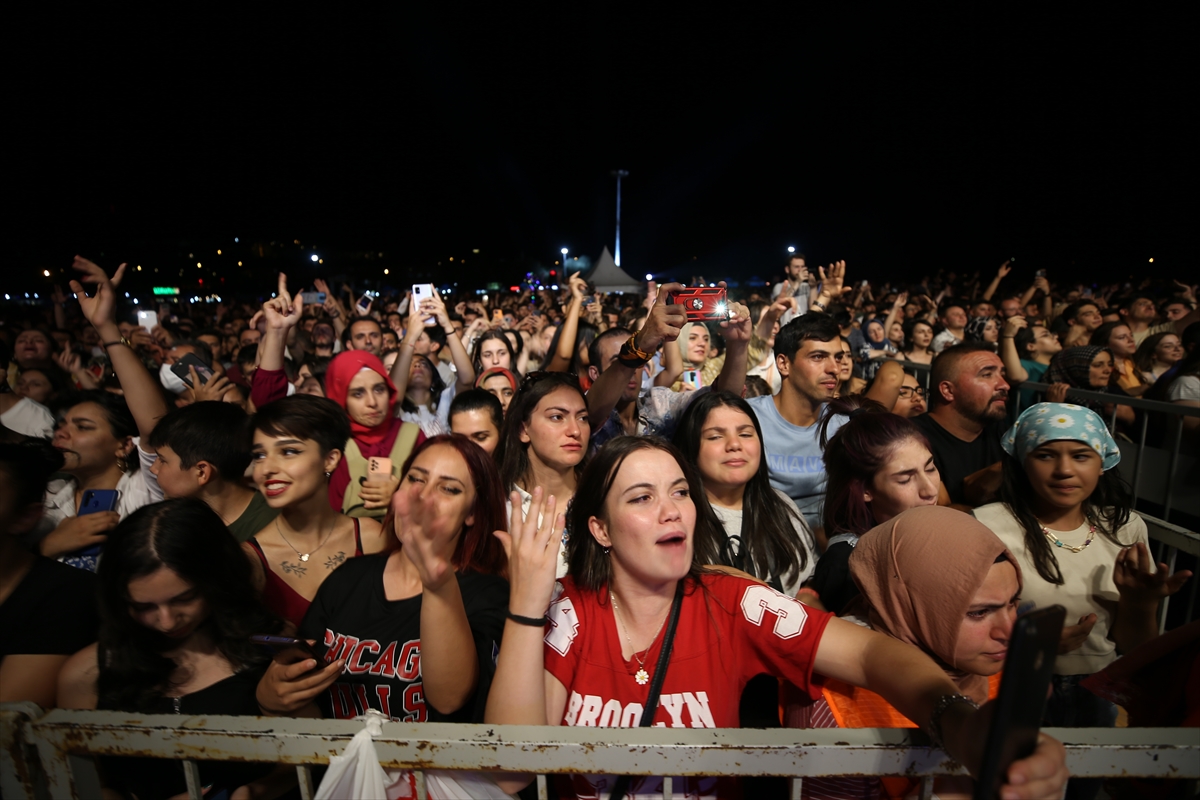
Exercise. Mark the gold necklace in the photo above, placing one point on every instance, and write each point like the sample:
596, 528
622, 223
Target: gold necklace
641, 676
304, 556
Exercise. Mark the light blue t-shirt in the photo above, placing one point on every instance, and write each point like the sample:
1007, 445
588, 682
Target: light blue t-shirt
794, 457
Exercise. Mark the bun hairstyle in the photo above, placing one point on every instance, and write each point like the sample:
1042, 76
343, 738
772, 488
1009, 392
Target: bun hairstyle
854, 454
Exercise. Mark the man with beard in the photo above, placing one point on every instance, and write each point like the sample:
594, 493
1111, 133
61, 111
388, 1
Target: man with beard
968, 402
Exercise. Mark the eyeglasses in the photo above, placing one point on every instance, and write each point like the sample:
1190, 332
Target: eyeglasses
911, 391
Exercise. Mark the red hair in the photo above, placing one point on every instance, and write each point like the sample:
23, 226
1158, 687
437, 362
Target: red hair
478, 550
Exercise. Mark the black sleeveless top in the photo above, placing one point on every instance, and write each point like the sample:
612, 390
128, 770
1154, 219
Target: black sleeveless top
152, 778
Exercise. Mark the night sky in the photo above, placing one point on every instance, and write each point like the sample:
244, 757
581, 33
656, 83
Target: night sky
903, 144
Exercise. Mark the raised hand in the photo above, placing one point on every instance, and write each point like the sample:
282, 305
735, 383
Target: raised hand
1014, 324
100, 308
69, 361
1057, 393
1138, 581
833, 279
1003, 270
282, 311
578, 287
1073, 636
532, 547
739, 327
664, 322
901, 300
214, 390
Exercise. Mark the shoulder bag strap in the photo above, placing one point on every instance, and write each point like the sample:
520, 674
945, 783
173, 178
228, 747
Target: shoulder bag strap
660, 674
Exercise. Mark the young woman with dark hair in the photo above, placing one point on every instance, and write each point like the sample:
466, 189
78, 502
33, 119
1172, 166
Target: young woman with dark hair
493, 349
765, 534
918, 336
297, 445
478, 415
1157, 354
47, 609
104, 442
410, 633
544, 440
1118, 339
177, 610
637, 553
877, 465
1066, 516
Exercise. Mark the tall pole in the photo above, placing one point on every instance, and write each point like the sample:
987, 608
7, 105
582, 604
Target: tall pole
619, 173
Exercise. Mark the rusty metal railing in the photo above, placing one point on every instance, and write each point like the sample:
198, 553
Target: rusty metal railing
60, 735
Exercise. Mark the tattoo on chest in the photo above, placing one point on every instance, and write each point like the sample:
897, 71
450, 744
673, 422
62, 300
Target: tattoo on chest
290, 568
335, 559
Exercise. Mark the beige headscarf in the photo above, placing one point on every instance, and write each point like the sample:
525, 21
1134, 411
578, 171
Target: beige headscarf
918, 573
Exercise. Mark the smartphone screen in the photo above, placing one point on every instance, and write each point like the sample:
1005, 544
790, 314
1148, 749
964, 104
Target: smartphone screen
1028, 668
180, 368
313, 298
364, 303
147, 320
421, 291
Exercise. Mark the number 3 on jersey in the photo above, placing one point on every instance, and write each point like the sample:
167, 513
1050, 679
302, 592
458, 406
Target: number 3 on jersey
789, 612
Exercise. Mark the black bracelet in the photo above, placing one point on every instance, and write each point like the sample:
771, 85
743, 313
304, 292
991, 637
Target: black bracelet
533, 622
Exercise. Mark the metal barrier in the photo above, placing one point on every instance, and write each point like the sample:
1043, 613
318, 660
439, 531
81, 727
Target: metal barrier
1091, 752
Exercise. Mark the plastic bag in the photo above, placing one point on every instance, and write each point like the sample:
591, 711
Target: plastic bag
356, 773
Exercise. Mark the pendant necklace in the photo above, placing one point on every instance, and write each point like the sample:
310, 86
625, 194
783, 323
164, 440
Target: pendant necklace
641, 676
305, 556
1073, 548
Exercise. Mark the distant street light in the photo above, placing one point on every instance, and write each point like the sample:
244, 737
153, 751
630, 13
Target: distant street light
791, 249
315, 257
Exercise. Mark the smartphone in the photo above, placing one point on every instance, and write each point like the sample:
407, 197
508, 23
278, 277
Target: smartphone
313, 298
180, 368
422, 291
1041, 273
147, 320
497, 316
95, 501
1028, 668
281, 643
379, 466
691, 377
701, 303
364, 304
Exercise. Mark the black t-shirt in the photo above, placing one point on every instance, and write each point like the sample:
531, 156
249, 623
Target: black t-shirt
956, 459
381, 642
51, 612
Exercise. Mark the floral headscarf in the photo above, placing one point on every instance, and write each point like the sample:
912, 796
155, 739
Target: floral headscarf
1056, 422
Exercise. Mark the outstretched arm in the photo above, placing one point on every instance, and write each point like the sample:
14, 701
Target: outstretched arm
663, 324
142, 392
561, 360
995, 284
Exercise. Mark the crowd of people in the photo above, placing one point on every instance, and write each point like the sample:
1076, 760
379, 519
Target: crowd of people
565, 508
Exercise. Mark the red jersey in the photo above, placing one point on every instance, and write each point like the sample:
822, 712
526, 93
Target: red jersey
730, 630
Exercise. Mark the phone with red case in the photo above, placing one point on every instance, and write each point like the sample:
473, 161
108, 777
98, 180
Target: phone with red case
702, 303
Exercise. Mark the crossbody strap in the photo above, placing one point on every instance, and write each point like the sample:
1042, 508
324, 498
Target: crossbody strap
660, 674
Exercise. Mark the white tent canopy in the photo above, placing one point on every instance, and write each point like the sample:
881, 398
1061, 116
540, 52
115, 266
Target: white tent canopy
607, 277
